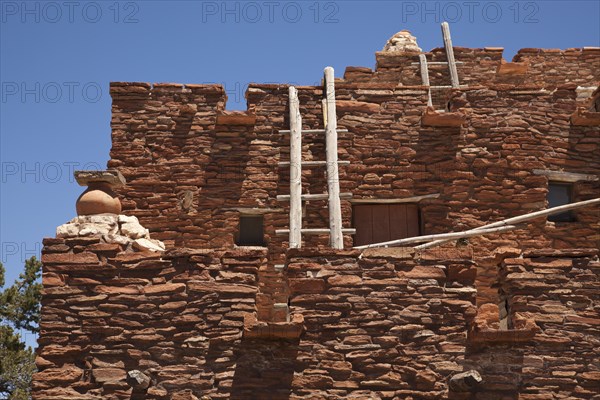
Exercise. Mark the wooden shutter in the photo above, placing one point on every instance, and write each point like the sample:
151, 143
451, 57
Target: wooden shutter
376, 223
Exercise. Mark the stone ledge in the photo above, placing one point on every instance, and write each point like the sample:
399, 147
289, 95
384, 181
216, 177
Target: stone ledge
497, 336
111, 176
486, 330
562, 176
591, 252
350, 106
396, 253
239, 252
581, 117
236, 118
447, 119
446, 253
512, 68
254, 329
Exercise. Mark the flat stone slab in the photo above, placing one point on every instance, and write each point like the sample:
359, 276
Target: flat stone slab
111, 176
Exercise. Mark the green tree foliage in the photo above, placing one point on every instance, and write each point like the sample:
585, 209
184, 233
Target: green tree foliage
19, 309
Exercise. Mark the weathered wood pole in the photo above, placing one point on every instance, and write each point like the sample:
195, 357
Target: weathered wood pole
425, 77
295, 237
333, 180
450, 54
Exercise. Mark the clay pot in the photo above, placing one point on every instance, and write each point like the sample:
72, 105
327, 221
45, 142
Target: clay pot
98, 199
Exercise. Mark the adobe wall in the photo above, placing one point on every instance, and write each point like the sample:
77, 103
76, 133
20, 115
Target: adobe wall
383, 324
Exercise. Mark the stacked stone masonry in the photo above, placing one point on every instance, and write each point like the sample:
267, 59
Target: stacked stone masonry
204, 320
390, 324
177, 147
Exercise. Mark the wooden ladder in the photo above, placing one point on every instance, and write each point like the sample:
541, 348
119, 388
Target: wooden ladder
295, 164
454, 83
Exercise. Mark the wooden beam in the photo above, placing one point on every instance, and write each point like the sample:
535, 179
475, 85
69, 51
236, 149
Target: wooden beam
307, 131
561, 176
295, 238
437, 63
316, 231
319, 196
450, 54
425, 77
523, 218
448, 87
311, 163
253, 210
333, 180
413, 199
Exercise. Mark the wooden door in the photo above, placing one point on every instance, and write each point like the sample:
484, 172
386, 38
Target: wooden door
376, 223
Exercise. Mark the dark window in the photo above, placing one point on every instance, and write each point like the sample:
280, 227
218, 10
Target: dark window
251, 231
560, 194
376, 223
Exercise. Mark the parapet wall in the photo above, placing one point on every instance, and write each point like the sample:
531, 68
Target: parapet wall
548, 68
384, 324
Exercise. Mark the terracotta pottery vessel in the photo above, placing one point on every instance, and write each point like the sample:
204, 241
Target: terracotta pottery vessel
98, 199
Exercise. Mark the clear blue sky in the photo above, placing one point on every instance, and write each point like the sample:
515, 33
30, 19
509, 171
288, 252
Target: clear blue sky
57, 59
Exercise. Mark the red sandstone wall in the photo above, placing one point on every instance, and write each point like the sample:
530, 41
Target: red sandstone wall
386, 325
172, 143
559, 290
546, 67
176, 317
191, 166
382, 326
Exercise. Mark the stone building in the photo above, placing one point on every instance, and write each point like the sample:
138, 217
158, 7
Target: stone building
182, 289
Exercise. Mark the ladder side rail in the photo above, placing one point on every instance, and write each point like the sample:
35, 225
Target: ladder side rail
450, 54
295, 236
333, 180
425, 77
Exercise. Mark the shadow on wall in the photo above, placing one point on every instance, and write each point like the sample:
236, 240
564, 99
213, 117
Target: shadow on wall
264, 370
224, 175
501, 369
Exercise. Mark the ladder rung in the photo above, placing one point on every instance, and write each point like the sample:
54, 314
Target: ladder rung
312, 231
311, 163
437, 63
448, 87
321, 196
287, 131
